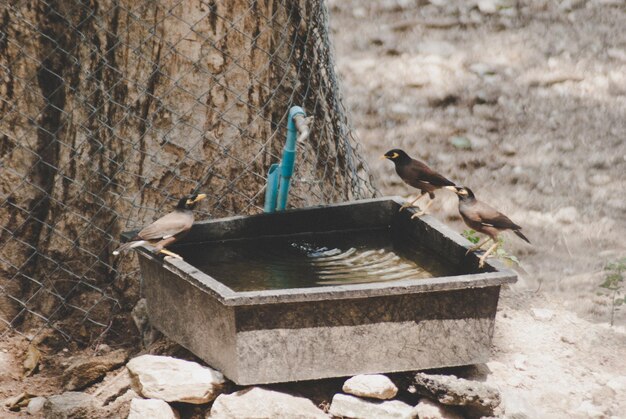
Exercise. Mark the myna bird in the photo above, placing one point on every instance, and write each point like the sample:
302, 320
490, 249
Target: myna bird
484, 219
418, 175
167, 229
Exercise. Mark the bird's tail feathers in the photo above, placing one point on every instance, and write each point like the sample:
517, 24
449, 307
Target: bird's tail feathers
127, 246
519, 234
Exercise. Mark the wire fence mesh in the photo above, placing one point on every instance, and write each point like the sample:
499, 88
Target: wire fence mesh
111, 110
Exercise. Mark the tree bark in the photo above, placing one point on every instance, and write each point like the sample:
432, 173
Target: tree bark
112, 109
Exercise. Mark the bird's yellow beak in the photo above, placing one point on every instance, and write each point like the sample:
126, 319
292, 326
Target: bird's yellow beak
200, 197
451, 188
383, 157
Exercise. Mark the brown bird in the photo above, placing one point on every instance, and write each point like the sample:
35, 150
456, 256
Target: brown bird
484, 219
417, 174
167, 229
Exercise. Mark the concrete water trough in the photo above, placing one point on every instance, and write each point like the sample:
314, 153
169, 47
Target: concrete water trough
322, 292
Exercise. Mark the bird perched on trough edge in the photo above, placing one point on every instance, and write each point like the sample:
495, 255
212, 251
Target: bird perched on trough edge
417, 174
484, 219
167, 229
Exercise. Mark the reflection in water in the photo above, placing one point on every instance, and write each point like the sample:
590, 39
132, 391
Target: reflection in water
313, 260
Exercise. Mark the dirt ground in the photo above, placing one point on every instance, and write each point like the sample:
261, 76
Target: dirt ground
547, 364
533, 95
538, 93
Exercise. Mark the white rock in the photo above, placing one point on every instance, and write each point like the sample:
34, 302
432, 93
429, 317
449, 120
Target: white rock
427, 409
482, 69
520, 363
478, 142
487, 6
150, 408
376, 386
542, 314
508, 149
566, 215
359, 12
401, 110
354, 407
617, 383
617, 54
440, 48
590, 410
257, 402
174, 380
35, 405
113, 386
516, 406
599, 179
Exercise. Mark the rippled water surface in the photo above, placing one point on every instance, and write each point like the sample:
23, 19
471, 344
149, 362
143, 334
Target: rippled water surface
313, 260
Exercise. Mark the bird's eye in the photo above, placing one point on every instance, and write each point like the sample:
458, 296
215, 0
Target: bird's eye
190, 201
395, 155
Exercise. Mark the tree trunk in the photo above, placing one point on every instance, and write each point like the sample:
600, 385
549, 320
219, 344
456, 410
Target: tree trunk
111, 109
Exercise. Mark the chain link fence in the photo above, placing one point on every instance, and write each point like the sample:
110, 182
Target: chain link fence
111, 110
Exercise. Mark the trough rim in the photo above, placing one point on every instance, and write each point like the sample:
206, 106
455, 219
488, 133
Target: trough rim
498, 275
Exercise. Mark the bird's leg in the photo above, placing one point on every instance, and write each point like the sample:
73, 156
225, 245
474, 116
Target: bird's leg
423, 211
172, 254
481, 261
477, 246
410, 204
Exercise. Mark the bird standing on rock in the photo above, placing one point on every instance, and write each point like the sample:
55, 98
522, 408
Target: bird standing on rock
484, 219
167, 229
417, 174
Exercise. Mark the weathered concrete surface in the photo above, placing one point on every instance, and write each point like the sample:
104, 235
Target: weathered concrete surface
257, 402
270, 336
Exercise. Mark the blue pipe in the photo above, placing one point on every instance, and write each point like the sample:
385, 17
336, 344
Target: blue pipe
278, 201
271, 191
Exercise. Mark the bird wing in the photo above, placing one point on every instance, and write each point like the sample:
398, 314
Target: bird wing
491, 217
167, 226
418, 171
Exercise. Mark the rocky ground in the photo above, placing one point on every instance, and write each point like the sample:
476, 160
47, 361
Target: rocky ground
525, 102
522, 101
546, 362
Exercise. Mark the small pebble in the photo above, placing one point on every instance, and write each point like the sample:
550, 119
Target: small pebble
487, 6
508, 149
542, 314
599, 179
35, 405
482, 69
520, 363
566, 215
